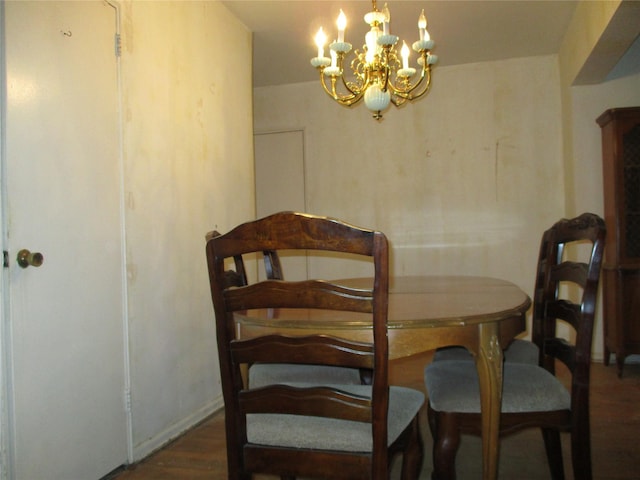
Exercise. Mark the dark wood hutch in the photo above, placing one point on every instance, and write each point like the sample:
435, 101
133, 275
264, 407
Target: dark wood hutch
621, 270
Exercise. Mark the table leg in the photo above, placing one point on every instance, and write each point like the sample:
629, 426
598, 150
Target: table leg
489, 365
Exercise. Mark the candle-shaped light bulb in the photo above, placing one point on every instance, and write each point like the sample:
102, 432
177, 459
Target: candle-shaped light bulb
342, 24
422, 26
321, 38
387, 20
334, 58
405, 55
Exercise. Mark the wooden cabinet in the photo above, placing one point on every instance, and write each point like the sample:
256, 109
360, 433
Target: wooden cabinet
621, 270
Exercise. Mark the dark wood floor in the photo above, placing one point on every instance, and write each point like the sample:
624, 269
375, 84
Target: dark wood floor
615, 425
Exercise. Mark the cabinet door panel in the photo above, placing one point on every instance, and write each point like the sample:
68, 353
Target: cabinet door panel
631, 306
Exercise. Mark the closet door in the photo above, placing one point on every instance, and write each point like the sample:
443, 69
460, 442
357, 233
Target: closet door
65, 341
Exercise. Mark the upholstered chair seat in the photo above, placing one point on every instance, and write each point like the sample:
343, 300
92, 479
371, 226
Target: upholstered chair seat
519, 351
322, 433
453, 387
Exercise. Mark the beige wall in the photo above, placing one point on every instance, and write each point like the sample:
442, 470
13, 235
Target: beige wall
188, 169
588, 103
465, 180
462, 181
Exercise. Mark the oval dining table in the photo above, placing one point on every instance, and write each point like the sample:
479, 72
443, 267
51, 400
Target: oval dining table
427, 312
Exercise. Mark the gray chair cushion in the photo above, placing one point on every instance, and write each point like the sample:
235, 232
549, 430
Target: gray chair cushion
522, 351
261, 374
453, 386
519, 351
332, 434
452, 353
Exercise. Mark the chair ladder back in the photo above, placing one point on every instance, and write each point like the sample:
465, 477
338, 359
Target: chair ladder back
586, 228
360, 403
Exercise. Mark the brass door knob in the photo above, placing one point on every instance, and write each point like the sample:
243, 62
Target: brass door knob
26, 258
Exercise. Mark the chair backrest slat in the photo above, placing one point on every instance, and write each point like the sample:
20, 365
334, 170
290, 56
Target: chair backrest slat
565, 310
314, 401
306, 350
575, 272
304, 294
562, 350
283, 231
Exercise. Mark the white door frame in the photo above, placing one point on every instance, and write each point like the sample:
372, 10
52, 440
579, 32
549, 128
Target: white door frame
125, 301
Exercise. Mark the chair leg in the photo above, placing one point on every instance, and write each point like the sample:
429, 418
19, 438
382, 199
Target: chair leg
446, 440
581, 450
553, 447
414, 454
234, 471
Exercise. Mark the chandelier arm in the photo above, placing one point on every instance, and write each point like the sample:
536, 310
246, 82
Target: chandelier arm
363, 76
345, 84
407, 94
349, 99
356, 94
352, 91
396, 100
344, 99
426, 75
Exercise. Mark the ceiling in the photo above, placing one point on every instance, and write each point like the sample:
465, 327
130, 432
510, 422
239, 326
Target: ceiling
464, 31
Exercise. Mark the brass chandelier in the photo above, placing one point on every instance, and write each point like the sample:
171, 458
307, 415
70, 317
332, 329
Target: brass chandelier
379, 75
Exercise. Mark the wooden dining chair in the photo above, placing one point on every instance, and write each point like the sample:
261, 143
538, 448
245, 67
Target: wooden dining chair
307, 429
264, 373
532, 395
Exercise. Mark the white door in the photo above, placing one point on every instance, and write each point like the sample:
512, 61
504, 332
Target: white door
65, 335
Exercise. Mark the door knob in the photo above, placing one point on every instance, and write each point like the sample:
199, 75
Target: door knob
26, 258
